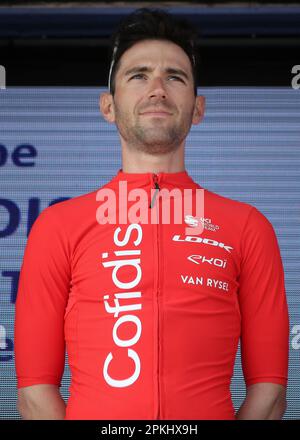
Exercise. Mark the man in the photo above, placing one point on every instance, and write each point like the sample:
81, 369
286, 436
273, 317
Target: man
151, 316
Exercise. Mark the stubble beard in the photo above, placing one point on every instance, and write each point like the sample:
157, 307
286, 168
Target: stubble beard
154, 138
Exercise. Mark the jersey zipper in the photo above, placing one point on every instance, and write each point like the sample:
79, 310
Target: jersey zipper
157, 188
152, 204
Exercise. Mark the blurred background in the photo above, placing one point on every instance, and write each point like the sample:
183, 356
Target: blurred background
54, 144
65, 44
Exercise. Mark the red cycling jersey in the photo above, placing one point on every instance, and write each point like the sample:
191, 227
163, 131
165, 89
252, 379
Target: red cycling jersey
150, 316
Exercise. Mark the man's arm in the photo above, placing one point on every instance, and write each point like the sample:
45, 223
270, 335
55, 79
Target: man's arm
264, 321
264, 401
41, 402
41, 304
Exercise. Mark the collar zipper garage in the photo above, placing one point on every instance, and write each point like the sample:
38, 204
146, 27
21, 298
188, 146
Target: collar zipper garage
156, 291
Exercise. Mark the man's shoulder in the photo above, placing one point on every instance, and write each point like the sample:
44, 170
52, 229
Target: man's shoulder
227, 204
70, 214
239, 214
69, 208
80, 205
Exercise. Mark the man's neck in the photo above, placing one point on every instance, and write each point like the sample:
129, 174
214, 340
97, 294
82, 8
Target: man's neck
143, 163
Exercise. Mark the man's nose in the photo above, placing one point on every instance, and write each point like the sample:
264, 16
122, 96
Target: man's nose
157, 88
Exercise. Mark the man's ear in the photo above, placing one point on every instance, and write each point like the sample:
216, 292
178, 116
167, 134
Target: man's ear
106, 106
199, 110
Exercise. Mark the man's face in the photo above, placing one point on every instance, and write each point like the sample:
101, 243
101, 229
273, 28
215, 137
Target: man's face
154, 99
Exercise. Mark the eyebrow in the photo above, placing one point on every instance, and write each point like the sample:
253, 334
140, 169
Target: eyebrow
171, 70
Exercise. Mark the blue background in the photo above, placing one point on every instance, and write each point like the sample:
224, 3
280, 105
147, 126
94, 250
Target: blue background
247, 148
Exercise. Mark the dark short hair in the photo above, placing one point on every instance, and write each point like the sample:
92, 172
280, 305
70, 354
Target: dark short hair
156, 24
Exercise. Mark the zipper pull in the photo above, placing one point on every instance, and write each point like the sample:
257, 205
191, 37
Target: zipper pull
157, 188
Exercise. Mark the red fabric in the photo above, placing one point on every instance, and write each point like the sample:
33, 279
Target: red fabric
174, 342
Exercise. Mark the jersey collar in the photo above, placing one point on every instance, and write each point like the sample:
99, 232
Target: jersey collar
173, 179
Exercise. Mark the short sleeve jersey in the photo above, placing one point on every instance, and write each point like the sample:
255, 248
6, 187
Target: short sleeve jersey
150, 313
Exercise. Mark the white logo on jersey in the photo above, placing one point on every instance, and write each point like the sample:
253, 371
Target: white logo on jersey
206, 222
191, 221
210, 282
214, 261
135, 267
193, 238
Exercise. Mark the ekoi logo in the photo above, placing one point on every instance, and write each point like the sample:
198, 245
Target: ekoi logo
213, 261
127, 258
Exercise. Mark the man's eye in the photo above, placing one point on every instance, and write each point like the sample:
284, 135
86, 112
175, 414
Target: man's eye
176, 77
137, 75
141, 75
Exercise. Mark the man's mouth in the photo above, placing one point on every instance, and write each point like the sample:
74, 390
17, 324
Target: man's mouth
161, 114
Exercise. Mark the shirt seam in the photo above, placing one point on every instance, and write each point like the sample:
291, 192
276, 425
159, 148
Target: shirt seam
59, 222
242, 235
